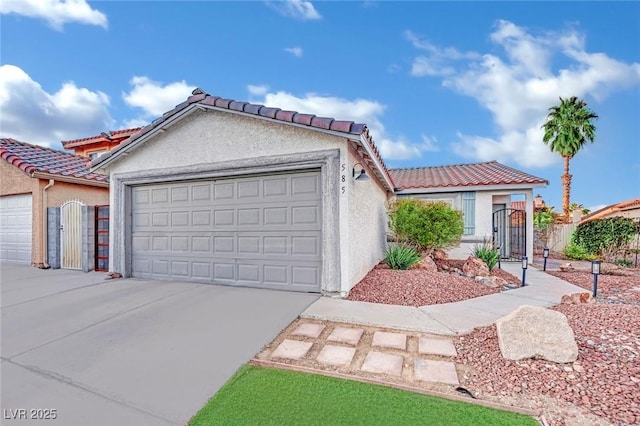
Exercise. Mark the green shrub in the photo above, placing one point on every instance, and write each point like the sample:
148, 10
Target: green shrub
627, 263
577, 252
487, 253
401, 256
600, 235
425, 224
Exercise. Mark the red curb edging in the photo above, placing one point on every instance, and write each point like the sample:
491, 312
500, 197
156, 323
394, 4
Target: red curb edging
488, 404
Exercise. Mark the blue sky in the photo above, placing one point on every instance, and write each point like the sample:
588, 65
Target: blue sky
437, 82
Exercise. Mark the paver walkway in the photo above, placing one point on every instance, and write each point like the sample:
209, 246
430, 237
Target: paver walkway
391, 356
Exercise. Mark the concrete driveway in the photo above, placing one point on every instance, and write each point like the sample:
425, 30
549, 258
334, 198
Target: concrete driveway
129, 351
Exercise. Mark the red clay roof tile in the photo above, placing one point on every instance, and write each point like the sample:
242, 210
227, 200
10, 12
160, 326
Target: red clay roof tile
38, 159
478, 174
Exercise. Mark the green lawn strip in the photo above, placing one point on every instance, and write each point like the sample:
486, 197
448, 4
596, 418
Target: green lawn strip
265, 396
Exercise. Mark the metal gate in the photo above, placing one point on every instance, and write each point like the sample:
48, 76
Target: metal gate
102, 238
510, 233
71, 234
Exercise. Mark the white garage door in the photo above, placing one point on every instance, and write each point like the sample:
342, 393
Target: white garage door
15, 228
256, 231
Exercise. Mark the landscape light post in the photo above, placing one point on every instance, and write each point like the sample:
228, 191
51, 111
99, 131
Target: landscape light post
595, 270
545, 254
524, 269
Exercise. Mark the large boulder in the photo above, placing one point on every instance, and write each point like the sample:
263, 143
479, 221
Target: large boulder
535, 332
474, 267
577, 298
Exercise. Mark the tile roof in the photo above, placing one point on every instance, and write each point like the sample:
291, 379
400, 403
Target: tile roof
37, 159
113, 135
199, 97
462, 175
611, 209
518, 205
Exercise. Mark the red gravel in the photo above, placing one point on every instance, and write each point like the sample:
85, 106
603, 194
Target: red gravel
604, 381
416, 287
601, 387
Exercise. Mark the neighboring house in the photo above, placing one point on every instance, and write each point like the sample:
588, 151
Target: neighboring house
483, 192
241, 194
34, 178
629, 208
95, 146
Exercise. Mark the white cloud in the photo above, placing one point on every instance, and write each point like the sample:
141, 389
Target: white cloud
257, 90
429, 143
360, 111
155, 98
56, 12
297, 9
31, 114
295, 51
435, 62
519, 86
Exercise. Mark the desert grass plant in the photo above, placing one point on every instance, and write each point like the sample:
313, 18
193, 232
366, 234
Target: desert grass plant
487, 253
401, 256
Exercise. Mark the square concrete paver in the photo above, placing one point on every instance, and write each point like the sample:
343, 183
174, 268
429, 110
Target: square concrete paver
435, 371
308, 330
336, 355
292, 349
378, 362
436, 346
346, 335
390, 340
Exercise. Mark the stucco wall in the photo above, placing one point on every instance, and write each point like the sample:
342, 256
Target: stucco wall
61, 192
214, 141
367, 222
14, 181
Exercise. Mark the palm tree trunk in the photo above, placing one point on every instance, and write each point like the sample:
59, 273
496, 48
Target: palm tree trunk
566, 189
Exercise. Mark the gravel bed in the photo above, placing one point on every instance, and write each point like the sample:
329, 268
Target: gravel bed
604, 381
611, 288
416, 287
601, 388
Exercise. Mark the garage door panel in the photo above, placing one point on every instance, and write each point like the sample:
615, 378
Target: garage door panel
16, 228
262, 231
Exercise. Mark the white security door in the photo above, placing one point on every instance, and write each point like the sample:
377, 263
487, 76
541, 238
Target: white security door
15, 228
71, 234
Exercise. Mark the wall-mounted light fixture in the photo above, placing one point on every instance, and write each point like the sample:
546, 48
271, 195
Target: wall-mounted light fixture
362, 175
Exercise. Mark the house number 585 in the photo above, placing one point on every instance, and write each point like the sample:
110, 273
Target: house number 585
343, 178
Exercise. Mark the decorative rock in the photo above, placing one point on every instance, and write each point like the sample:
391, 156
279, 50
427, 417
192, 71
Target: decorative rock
611, 269
475, 267
577, 298
426, 264
439, 254
492, 281
567, 267
535, 332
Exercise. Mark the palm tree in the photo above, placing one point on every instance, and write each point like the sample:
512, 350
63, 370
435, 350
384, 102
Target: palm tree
567, 129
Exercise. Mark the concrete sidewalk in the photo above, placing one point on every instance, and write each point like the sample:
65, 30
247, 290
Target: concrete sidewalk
542, 289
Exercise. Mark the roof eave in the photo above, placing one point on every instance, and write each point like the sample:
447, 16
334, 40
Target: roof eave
465, 188
69, 179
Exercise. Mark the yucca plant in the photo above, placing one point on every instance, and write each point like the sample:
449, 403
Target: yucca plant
401, 256
487, 253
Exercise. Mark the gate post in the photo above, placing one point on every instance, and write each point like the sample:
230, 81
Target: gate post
53, 237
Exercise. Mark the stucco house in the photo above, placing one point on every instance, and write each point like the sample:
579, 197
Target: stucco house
629, 209
34, 178
235, 193
483, 192
95, 146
